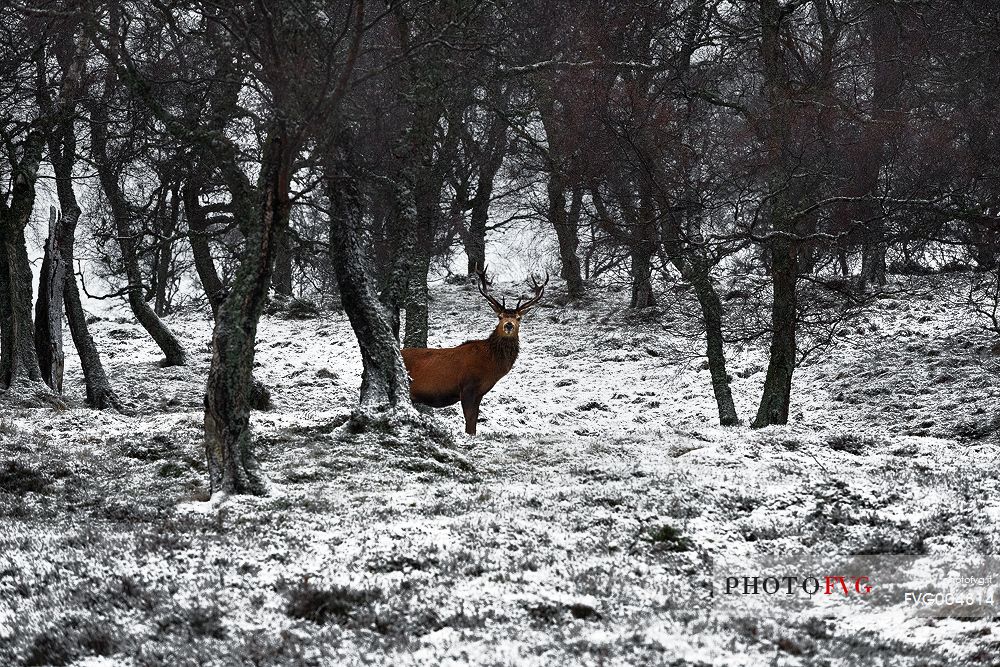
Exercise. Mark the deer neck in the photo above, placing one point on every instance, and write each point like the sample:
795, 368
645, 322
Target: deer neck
504, 350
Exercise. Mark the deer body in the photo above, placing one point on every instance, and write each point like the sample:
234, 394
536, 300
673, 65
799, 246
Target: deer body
440, 377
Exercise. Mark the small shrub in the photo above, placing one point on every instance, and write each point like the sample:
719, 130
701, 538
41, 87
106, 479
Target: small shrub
818, 627
852, 443
734, 294
292, 308
51, 647
893, 544
339, 604
206, 622
545, 613
301, 309
68, 640
978, 428
584, 612
196, 621
19, 478
171, 470
955, 266
156, 448
668, 538
260, 397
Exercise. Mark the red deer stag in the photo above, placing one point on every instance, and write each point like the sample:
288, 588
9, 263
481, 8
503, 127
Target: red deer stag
445, 376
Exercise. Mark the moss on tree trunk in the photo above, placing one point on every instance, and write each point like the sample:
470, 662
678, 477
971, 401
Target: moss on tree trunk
232, 466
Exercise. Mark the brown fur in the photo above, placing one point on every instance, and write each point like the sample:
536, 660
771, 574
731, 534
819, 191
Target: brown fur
442, 377
445, 376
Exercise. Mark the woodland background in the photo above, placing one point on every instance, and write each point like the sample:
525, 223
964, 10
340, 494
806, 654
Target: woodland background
764, 214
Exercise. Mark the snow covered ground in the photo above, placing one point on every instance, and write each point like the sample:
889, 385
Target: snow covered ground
600, 497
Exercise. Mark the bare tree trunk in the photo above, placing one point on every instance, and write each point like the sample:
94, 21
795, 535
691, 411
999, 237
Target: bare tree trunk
643, 246
283, 263
491, 161
565, 225
711, 310
475, 240
62, 153
100, 394
642, 287
696, 270
18, 358
887, 82
567, 232
873, 251
204, 265
231, 463
49, 308
384, 381
164, 338
164, 253
428, 182
393, 294
984, 237
776, 395
419, 267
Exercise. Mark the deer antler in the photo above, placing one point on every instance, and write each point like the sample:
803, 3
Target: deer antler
484, 285
539, 291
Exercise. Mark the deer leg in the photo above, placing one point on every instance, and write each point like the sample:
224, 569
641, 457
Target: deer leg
470, 407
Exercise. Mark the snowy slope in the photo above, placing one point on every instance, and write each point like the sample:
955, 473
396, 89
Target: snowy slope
602, 492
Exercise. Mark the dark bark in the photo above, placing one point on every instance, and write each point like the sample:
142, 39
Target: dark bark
422, 92
18, 359
643, 245
282, 282
566, 224
695, 269
120, 210
232, 465
776, 396
783, 252
49, 308
384, 381
428, 180
61, 140
885, 35
393, 294
711, 310
198, 236
873, 252
416, 304
984, 239
100, 394
475, 240
62, 153
491, 159
567, 233
426, 200
164, 253
642, 287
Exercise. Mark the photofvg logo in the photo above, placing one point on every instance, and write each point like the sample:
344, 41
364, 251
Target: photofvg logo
925, 586
809, 585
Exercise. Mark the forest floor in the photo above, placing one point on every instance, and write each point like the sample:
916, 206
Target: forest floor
602, 504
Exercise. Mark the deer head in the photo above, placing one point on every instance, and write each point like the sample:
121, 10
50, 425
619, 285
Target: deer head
510, 318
